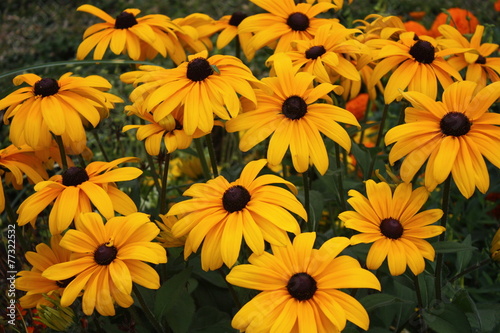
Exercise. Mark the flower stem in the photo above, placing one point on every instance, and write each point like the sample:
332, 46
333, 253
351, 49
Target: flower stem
340, 182
211, 153
380, 135
156, 178
147, 311
163, 193
470, 269
8, 208
60, 144
306, 180
439, 258
203, 159
231, 289
99, 144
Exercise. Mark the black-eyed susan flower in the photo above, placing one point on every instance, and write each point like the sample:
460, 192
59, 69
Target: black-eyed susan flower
106, 259
452, 135
196, 32
391, 222
300, 288
166, 238
338, 3
324, 56
284, 23
228, 26
204, 86
417, 63
139, 37
80, 190
168, 130
480, 67
33, 282
14, 164
294, 117
60, 107
221, 213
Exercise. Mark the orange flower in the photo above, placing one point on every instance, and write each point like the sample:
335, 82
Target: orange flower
357, 105
462, 19
497, 6
416, 27
417, 15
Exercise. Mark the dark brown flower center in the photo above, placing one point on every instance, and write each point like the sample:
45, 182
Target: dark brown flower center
315, 52
199, 69
105, 254
125, 20
64, 283
74, 176
422, 51
455, 124
236, 18
301, 286
294, 107
298, 21
391, 228
46, 87
481, 60
235, 198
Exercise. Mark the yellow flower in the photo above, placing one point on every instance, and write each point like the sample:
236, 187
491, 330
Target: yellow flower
61, 107
169, 130
419, 64
452, 135
480, 66
324, 55
338, 3
284, 23
221, 213
14, 162
300, 288
228, 25
197, 31
294, 118
76, 190
139, 37
204, 86
106, 259
166, 238
33, 282
390, 221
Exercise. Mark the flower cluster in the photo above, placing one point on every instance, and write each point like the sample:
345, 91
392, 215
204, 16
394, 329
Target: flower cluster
250, 133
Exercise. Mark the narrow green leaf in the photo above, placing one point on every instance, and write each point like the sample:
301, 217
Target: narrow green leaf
451, 247
171, 292
447, 317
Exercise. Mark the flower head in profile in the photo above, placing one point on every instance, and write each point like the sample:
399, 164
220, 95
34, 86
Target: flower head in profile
106, 259
324, 56
166, 238
228, 26
392, 223
139, 37
168, 130
294, 117
203, 85
221, 213
453, 136
79, 190
284, 23
300, 288
33, 282
480, 67
60, 107
196, 32
14, 164
417, 64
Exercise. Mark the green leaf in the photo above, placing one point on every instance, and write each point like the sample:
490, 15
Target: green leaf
171, 292
451, 247
463, 300
180, 315
375, 301
211, 320
447, 317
